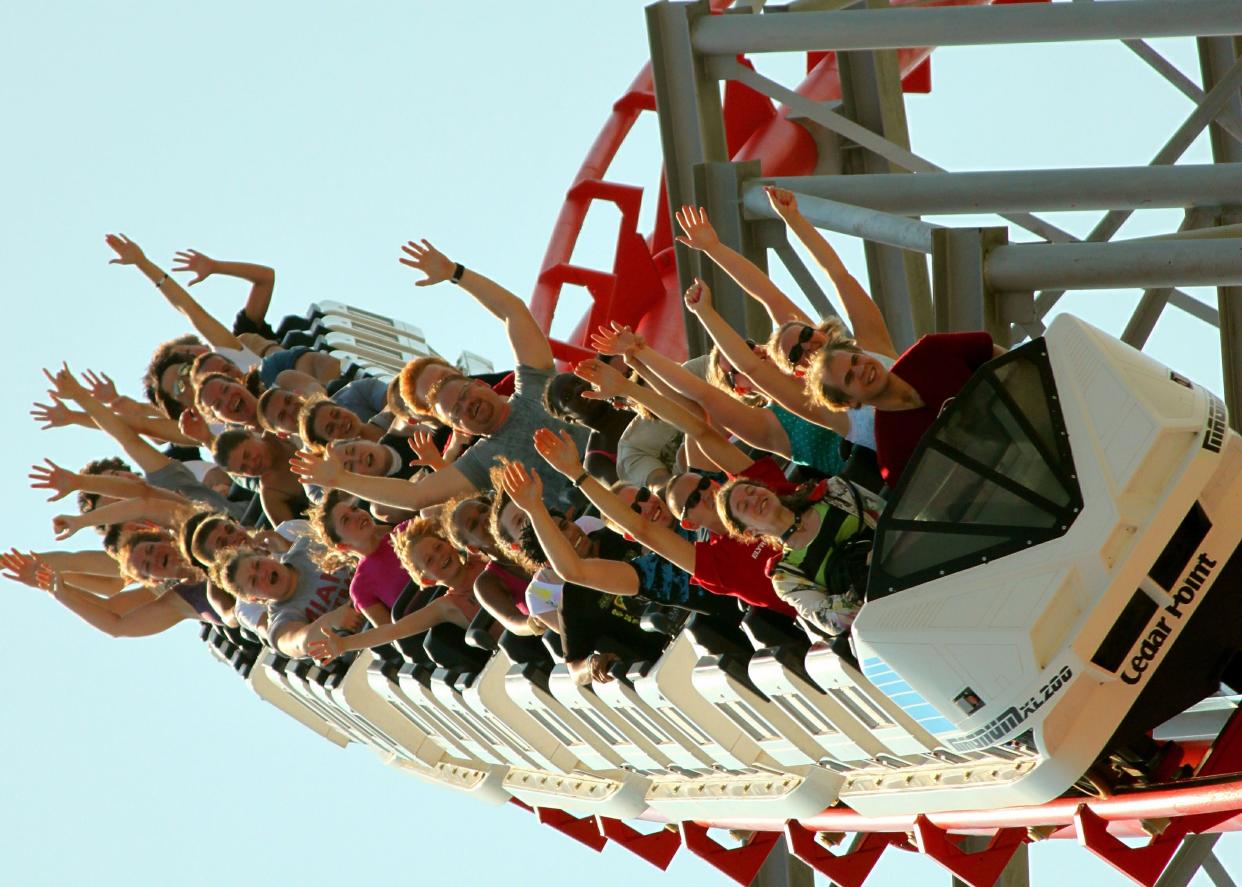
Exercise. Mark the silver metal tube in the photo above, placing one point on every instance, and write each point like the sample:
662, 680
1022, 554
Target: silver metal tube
1130, 187
1033, 266
845, 218
965, 25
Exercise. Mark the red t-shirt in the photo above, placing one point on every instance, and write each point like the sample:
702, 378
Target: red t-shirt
936, 366
727, 566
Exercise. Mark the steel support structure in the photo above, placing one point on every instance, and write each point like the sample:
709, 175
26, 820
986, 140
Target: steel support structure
978, 278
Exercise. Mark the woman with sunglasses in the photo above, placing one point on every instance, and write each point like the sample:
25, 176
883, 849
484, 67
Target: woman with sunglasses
758, 423
795, 337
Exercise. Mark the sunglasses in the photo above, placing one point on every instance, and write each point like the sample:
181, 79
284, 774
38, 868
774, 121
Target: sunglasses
182, 381
797, 350
696, 496
640, 497
731, 375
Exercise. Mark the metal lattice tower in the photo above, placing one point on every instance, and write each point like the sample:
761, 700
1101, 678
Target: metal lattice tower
867, 182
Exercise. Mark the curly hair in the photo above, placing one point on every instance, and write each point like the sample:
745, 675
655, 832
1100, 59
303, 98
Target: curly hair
223, 571
126, 544
171, 353
306, 421
797, 502
328, 555
90, 501
450, 508
409, 535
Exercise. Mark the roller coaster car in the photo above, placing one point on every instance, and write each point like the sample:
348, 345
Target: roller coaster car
1056, 571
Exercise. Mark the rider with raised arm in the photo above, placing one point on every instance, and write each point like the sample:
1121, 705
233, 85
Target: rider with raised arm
506, 424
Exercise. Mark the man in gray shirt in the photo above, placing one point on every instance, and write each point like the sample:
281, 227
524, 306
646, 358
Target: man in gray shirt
469, 406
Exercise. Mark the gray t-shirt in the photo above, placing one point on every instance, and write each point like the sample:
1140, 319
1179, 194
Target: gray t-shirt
316, 594
176, 478
515, 440
364, 397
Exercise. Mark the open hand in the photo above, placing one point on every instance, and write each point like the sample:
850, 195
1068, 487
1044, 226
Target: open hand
524, 487
192, 260
323, 650
699, 231
600, 663
103, 389
424, 257
424, 446
194, 426
607, 381
324, 471
784, 202
53, 477
127, 252
699, 296
65, 385
54, 415
23, 568
618, 340
559, 451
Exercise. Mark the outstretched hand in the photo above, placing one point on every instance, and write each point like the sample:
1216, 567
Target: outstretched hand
65, 385
559, 451
424, 257
699, 296
617, 340
323, 650
23, 568
524, 487
424, 446
52, 477
54, 415
784, 202
607, 381
699, 231
323, 471
103, 389
127, 252
192, 260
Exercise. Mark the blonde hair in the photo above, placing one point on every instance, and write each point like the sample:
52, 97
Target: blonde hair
832, 327
410, 534
716, 376
821, 392
326, 555
223, 570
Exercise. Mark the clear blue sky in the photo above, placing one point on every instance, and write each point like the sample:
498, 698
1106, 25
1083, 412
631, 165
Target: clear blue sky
316, 138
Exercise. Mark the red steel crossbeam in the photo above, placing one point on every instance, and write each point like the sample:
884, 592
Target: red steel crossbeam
978, 869
739, 863
849, 868
657, 848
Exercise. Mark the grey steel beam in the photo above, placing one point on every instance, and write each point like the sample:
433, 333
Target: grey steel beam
1218, 56
965, 26
951, 193
1154, 263
783, 869
1213, 869
871, 97
1226, 119
961, 293
1017, 873
857, 221
1186, 863
691, 123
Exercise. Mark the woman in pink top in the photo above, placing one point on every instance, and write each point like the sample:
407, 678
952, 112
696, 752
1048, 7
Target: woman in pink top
501, 587
351, 536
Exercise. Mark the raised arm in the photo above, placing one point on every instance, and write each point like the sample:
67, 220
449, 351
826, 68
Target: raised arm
158, 510
116, 616
294, 638
129, 253
530, 345
867, 322
607, 383
261, 278
561, 453
431, 489
330, 645
611, 577
757, 426
142, 453
700, 235
788, 391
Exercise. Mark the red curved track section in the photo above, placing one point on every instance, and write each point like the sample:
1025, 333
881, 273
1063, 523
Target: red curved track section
643, 268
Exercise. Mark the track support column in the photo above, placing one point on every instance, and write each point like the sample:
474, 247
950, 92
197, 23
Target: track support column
962, 298
871, 96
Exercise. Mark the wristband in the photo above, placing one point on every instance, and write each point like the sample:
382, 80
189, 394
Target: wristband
457, 273
580, 478
162, 280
